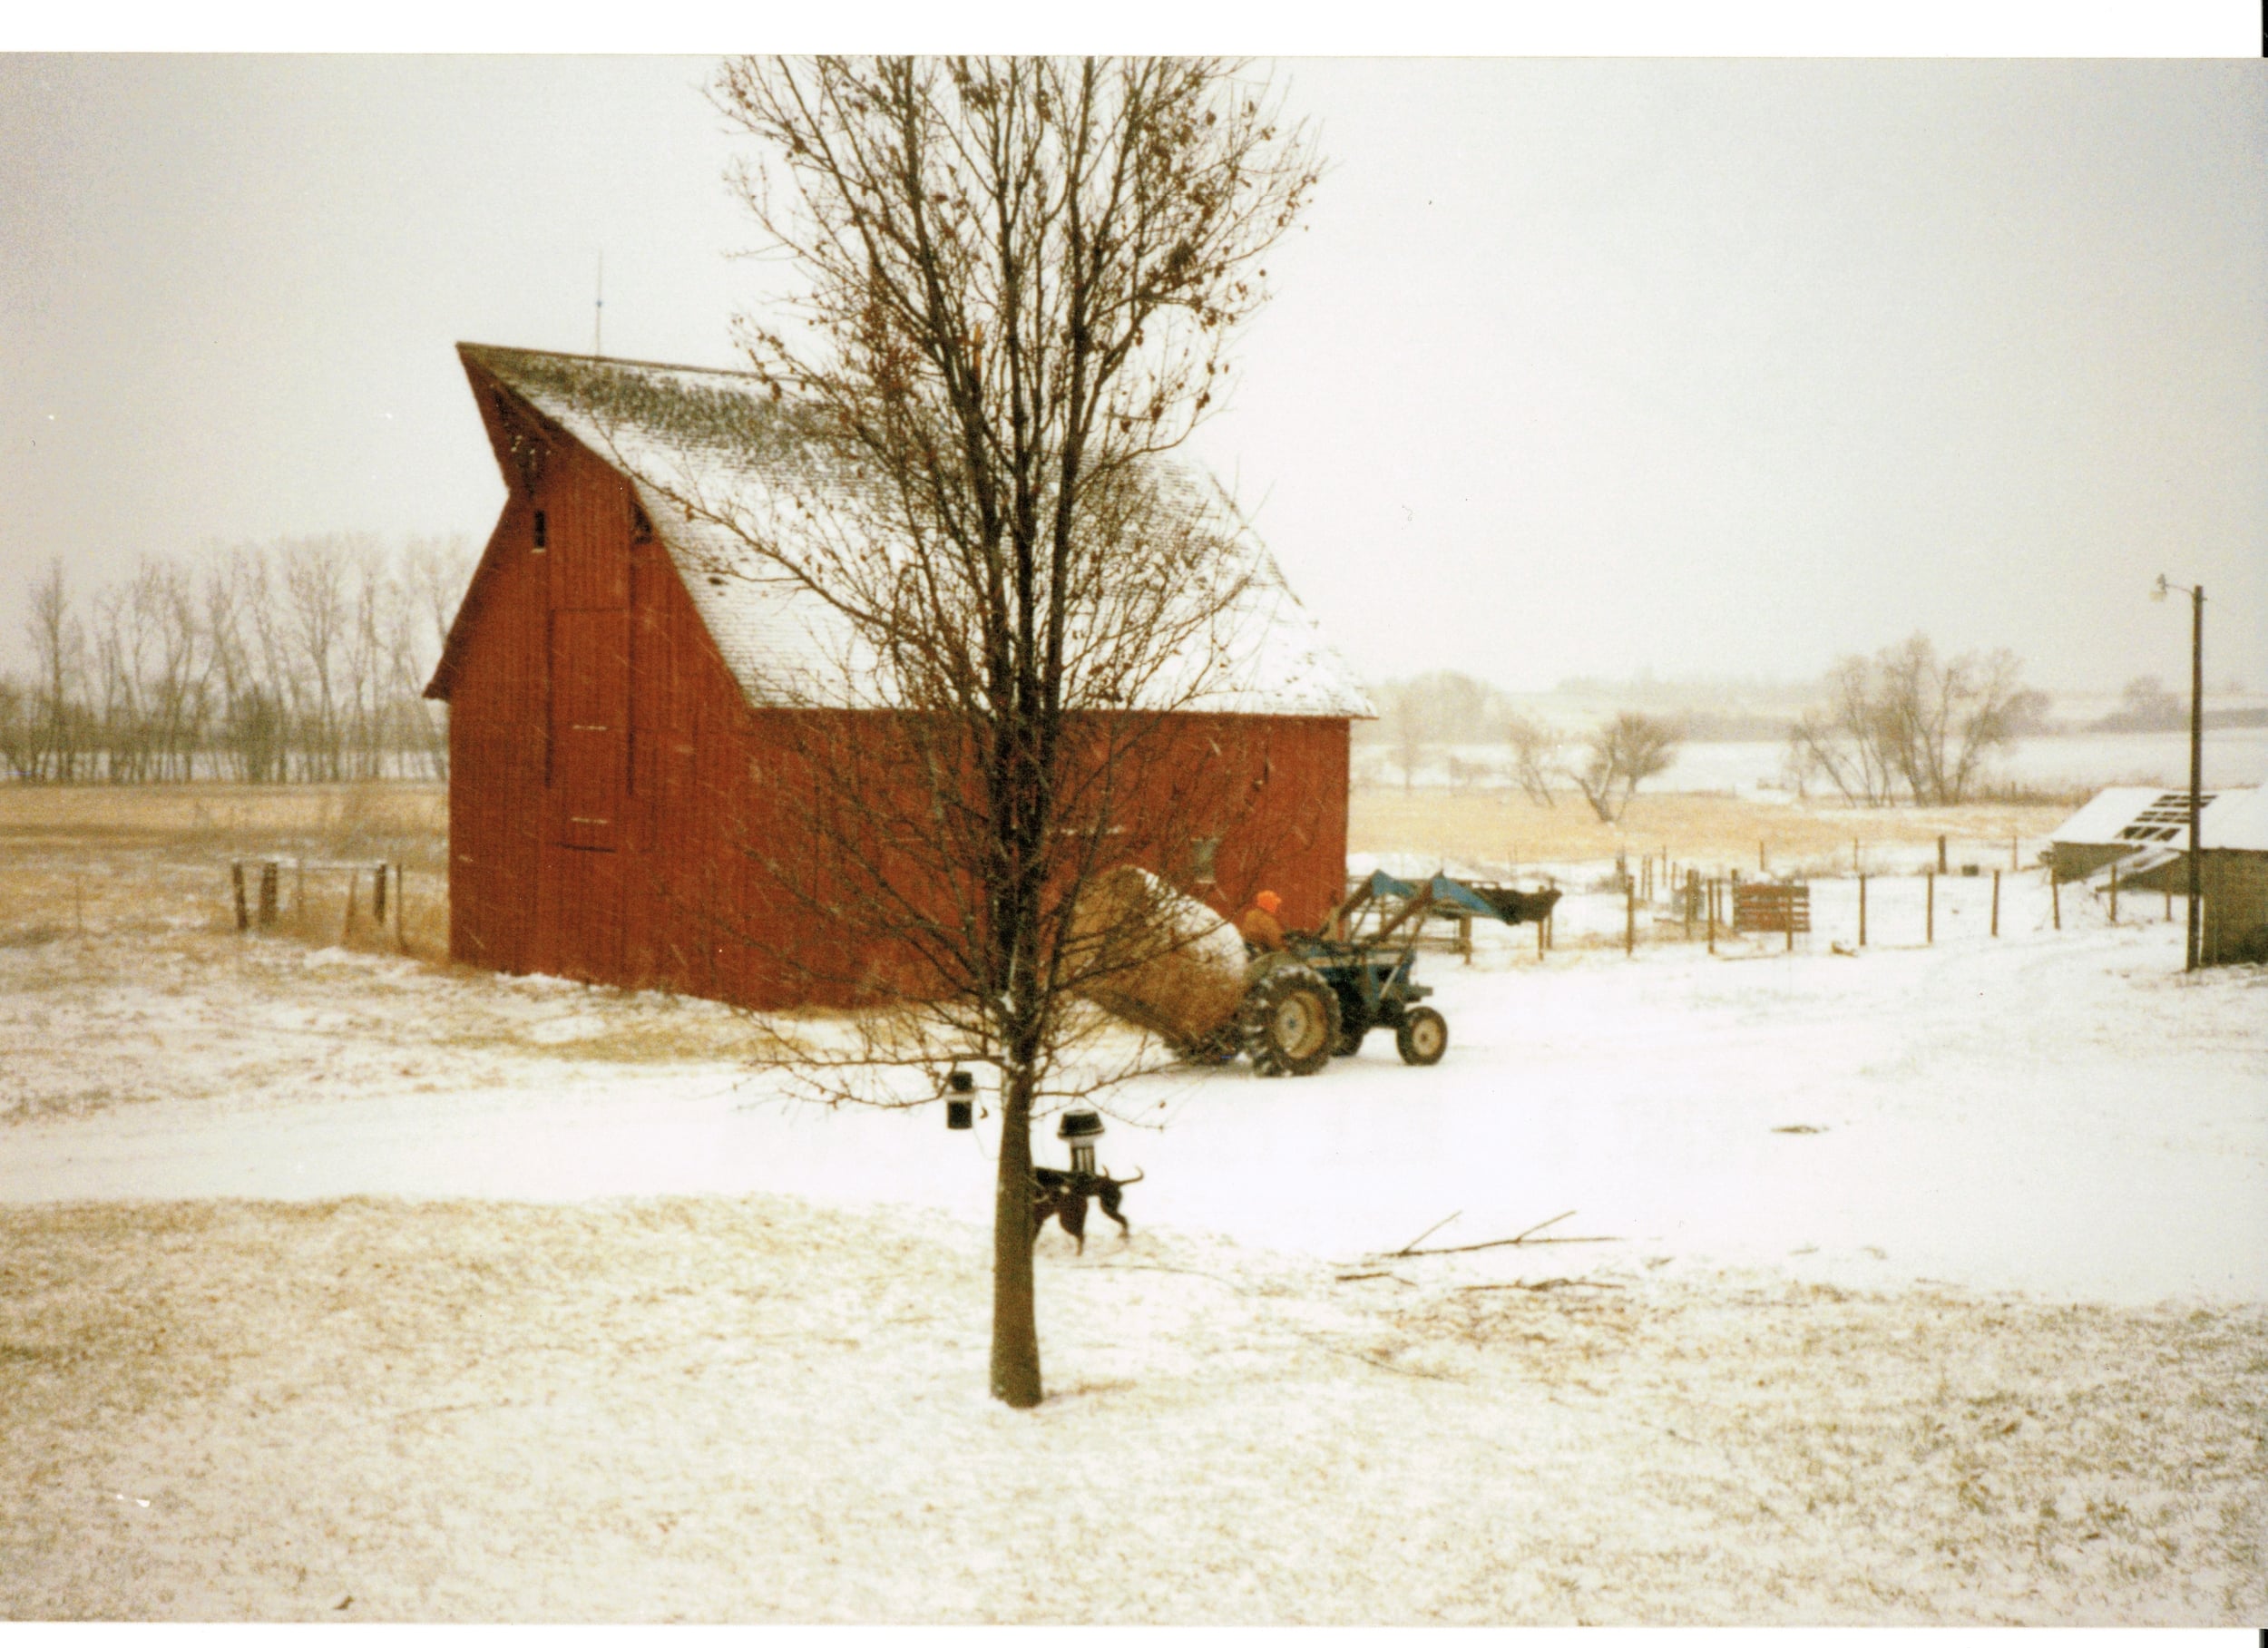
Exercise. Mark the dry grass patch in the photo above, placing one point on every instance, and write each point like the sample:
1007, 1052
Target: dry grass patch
1500, 828
403, 820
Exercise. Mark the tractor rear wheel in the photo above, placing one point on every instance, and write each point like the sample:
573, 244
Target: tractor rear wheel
1290, 1023
1422, 1037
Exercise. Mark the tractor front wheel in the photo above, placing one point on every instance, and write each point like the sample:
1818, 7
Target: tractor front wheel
1422, 1037
1290, 1023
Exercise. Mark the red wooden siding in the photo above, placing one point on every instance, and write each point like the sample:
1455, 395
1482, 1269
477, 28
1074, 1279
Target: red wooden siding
618, 812
590, 720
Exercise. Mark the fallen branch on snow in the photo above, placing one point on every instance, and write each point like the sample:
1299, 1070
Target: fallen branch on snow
1527, 1238
1542, 1286
1411, 1246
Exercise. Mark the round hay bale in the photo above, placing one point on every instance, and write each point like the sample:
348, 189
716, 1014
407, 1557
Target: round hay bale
1157, 958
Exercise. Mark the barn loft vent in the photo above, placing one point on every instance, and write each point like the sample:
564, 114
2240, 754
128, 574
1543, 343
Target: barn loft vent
543, 536
640, 528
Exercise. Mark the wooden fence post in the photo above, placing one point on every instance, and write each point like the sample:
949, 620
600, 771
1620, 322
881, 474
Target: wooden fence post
2054, 896
1709, 892
268, 895
377, 895
1541, 921
1929, 920
243, 916
401, 893
346, 926
1862, 912
1629, 918
1940, 855
2114, 893
1996, 903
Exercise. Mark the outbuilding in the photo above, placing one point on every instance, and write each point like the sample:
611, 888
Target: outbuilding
618, 697
2144, 833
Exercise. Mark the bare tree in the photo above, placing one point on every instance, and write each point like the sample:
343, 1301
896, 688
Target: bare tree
1907, 718
2146, 706
1624, 752
1535, 750
19, 732
1017, 279
59, 653
435, 572
1407, 726
1443, 706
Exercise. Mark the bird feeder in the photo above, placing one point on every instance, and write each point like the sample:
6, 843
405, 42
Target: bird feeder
1080, 1129
960, 1100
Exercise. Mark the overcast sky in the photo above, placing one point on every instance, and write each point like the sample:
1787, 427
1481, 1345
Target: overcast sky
1580, 366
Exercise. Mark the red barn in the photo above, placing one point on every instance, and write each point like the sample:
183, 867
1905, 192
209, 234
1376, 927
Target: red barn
614, 707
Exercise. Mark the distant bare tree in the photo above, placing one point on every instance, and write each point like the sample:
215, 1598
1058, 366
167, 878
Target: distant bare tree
2146, 706
18, 733
178, 693
436, 573
1905, 719
59, 655
1623, 753
1535, 750
1403, 711
316, 621
1441, 707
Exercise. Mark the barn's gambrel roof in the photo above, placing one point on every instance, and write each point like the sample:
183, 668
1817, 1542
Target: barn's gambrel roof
708, 450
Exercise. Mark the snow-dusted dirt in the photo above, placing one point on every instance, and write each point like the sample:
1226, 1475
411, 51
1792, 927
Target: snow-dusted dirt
1919, 1284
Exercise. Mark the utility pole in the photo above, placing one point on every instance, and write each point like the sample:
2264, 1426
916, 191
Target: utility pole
2197, 594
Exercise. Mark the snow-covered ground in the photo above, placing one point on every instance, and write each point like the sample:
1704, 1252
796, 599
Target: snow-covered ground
1921, 1283
2060, 1113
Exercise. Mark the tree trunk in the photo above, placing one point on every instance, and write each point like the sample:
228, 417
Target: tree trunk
1015, 1325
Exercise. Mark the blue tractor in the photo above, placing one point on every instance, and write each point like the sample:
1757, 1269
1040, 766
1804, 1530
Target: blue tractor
1370, 975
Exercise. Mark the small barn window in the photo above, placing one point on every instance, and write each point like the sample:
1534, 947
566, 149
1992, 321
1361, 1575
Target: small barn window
641, 528
543, 535
1202, 851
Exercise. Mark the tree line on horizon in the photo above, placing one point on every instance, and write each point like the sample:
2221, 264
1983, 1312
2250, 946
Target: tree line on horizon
298, 660
1904, 726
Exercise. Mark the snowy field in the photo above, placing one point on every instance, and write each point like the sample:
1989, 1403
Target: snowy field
1922, 1284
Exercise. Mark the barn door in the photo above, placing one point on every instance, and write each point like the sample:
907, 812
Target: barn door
590, 727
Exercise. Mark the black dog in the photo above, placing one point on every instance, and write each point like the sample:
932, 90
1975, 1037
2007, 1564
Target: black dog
1063, 1195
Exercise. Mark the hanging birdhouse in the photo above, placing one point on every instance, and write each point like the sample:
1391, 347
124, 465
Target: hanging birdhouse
960, 1100
1080, 1129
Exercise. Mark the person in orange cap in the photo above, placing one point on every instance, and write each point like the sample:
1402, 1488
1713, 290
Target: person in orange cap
1260, 925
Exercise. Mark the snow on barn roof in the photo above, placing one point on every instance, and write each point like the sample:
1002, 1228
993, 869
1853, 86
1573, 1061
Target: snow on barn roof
2239, 821
2134, 815
715, 459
